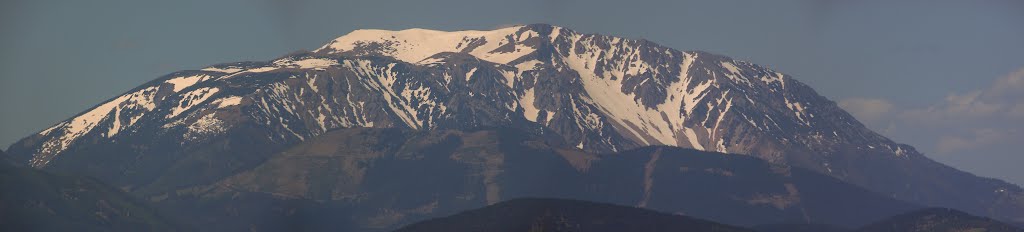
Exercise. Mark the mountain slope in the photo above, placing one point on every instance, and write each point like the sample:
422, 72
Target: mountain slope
377, 179
938, 220
564, 215
597, 93
33, 200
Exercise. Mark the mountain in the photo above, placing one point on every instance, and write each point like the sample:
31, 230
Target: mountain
380, 178
522, 215
938, 220
33, 200
600, 94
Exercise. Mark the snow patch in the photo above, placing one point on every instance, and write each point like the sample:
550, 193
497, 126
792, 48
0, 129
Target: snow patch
204, 127
192, 98
180, 83
430, 61
734, 73
469, 75
692, 137
526, 101
415, 45
620, 107
223, 70
139, 102
312, 63
799, 110
228, 101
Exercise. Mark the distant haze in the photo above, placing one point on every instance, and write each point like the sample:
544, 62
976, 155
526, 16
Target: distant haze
944, 76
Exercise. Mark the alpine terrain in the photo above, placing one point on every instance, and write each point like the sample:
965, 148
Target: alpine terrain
255, 130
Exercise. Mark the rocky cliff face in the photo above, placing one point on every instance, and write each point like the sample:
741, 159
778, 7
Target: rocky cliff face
597, 93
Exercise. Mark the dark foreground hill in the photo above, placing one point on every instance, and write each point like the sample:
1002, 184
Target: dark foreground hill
939, 220
33, 200
532, 214
523, 215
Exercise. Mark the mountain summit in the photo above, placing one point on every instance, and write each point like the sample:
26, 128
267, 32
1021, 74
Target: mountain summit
601, 93
597, 93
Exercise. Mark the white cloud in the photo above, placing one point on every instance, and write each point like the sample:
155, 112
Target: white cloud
959, 123
1000, 101
867, 109
978, 139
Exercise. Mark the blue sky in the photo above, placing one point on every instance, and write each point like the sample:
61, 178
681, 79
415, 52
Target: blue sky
941, 75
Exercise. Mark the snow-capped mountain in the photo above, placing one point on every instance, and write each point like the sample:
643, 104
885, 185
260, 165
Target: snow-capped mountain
597, 93
602, 93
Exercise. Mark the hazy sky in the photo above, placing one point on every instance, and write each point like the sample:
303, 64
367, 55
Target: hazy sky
944, 76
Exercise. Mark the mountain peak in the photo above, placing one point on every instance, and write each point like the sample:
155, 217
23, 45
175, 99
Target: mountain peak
502, 45
411, 45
